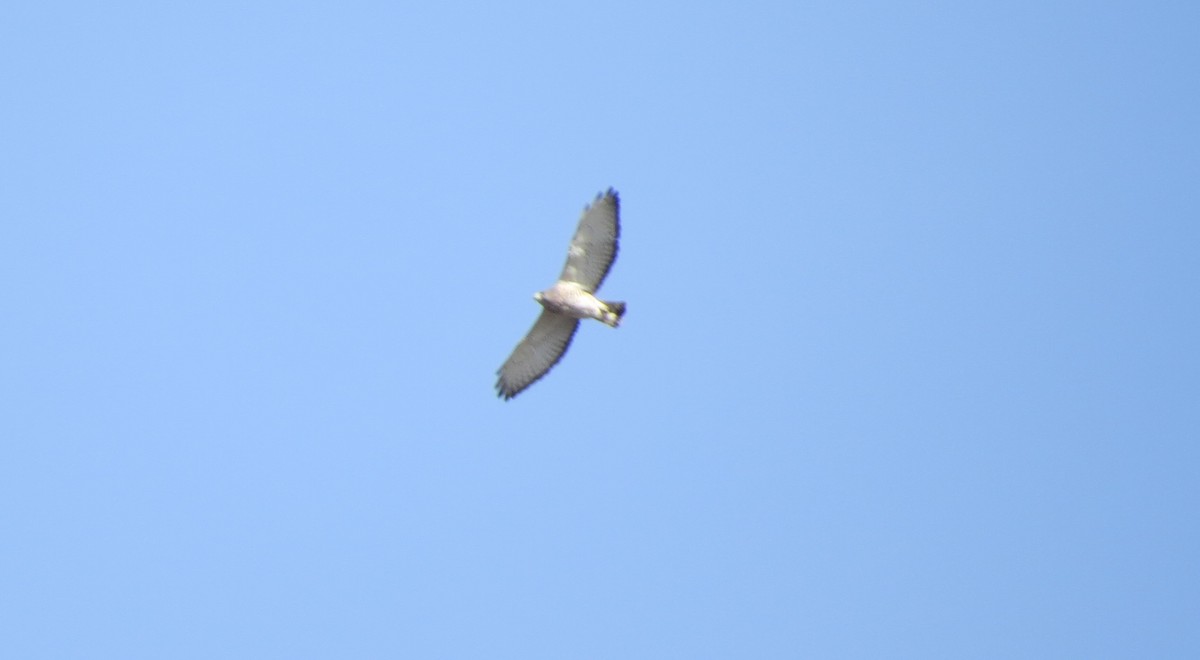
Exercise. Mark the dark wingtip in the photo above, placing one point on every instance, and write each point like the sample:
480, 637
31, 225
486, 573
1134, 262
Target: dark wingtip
611, 192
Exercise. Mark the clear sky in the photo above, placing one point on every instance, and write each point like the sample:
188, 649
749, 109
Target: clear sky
911, 366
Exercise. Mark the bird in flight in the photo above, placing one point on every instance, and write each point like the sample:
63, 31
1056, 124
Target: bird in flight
570, 299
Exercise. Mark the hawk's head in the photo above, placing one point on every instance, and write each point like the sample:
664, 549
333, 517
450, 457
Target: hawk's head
538, 296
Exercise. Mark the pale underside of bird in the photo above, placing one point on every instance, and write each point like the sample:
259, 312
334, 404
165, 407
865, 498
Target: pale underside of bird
570, 299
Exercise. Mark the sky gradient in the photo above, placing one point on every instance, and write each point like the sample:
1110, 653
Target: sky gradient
910, 367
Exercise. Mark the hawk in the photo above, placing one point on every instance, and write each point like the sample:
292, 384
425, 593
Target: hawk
572, 298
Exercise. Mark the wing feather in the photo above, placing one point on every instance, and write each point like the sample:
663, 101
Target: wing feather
541, 349
594, 247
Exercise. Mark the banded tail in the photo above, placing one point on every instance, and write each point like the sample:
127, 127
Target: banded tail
612, 313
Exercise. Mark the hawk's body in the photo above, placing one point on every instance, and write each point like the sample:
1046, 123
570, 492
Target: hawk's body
591, 255
571, 299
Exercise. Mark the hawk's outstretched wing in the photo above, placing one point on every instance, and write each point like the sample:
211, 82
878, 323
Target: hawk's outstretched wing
540, 350
594, 247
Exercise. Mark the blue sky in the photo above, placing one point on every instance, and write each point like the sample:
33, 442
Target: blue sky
910, 367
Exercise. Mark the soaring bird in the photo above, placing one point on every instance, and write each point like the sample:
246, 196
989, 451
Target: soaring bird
571, 298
